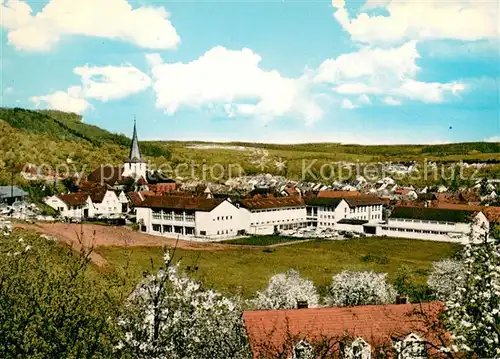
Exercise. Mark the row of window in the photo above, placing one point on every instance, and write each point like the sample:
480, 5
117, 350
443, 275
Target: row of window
276, 209
410, 348
221, 218
393, 229
179, 218
363, 209
278, 221
422, 221
173, 229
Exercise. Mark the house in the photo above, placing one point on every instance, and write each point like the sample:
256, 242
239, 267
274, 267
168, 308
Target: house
11, 194
349, 213
439, 224
189, 217
261, 216
75, 206
105, 203
407, 331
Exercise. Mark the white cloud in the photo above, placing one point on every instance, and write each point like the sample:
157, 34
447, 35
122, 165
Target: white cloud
389, 100
433, 92
147, 27
466, 20
364, 100
71, 100
232, 78
8, 90
355, 88
112, 82
379, 71
347, 104
493, 139
386, 64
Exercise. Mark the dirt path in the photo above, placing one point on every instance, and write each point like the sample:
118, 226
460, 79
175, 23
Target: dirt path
91, 235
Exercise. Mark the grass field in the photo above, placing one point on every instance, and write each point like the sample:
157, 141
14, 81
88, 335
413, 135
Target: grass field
262, 240
246, 270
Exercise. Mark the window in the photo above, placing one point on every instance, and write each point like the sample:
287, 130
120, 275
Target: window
413, 347
303, 350
358, 349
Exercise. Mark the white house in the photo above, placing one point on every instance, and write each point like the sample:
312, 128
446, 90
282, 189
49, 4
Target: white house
347, 213
270, 215
439, 224
105, 203
74, 206
189, 217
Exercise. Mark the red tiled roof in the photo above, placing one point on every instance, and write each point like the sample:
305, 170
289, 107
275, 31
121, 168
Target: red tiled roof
107, 174
161, 188
265, 203
363, 201
136, 198
179, 202
74, 199
376, 324
337, 194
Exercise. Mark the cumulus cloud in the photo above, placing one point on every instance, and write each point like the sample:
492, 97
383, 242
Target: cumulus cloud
493, 139
232, 78
432, 92
466, 20
364, 100
101, 83
383, 72
347, 104
112, 82
389, 100
147, 27
72, 100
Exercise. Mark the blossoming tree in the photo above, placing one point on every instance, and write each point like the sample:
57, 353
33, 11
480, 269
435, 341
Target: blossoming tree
169, 315
472, 312
360, 288
285, 290
443, 278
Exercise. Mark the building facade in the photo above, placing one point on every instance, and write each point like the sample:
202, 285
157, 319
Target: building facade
189, 217
439, 224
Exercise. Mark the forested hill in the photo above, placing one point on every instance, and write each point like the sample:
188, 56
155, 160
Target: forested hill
53, 138
69, 126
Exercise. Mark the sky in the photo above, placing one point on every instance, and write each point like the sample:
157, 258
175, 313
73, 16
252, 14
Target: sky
367, 72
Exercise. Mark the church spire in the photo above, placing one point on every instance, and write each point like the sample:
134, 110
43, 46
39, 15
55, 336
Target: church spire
135, 153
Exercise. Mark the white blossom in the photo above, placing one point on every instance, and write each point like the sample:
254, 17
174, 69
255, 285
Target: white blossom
170, 316
360, 288
285, 290
445, 277
473, 309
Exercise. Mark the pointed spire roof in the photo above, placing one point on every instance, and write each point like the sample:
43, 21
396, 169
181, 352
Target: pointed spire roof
135, 153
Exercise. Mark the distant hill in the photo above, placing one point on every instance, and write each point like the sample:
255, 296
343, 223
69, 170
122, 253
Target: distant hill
54, 138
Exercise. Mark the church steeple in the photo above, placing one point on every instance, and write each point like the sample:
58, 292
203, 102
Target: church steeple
135, 166
135, 152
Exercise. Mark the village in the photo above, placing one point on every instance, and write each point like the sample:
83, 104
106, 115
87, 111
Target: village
264, 204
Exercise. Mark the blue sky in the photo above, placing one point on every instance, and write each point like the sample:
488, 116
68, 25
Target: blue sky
267, 71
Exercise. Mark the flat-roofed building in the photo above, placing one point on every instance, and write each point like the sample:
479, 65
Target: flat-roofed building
270, 215
440, 224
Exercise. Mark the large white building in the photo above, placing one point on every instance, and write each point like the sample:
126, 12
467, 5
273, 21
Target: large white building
189, 217
438, 224
343, 213
271, 215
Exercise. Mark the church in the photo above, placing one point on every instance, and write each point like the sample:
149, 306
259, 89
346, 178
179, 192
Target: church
133, 172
